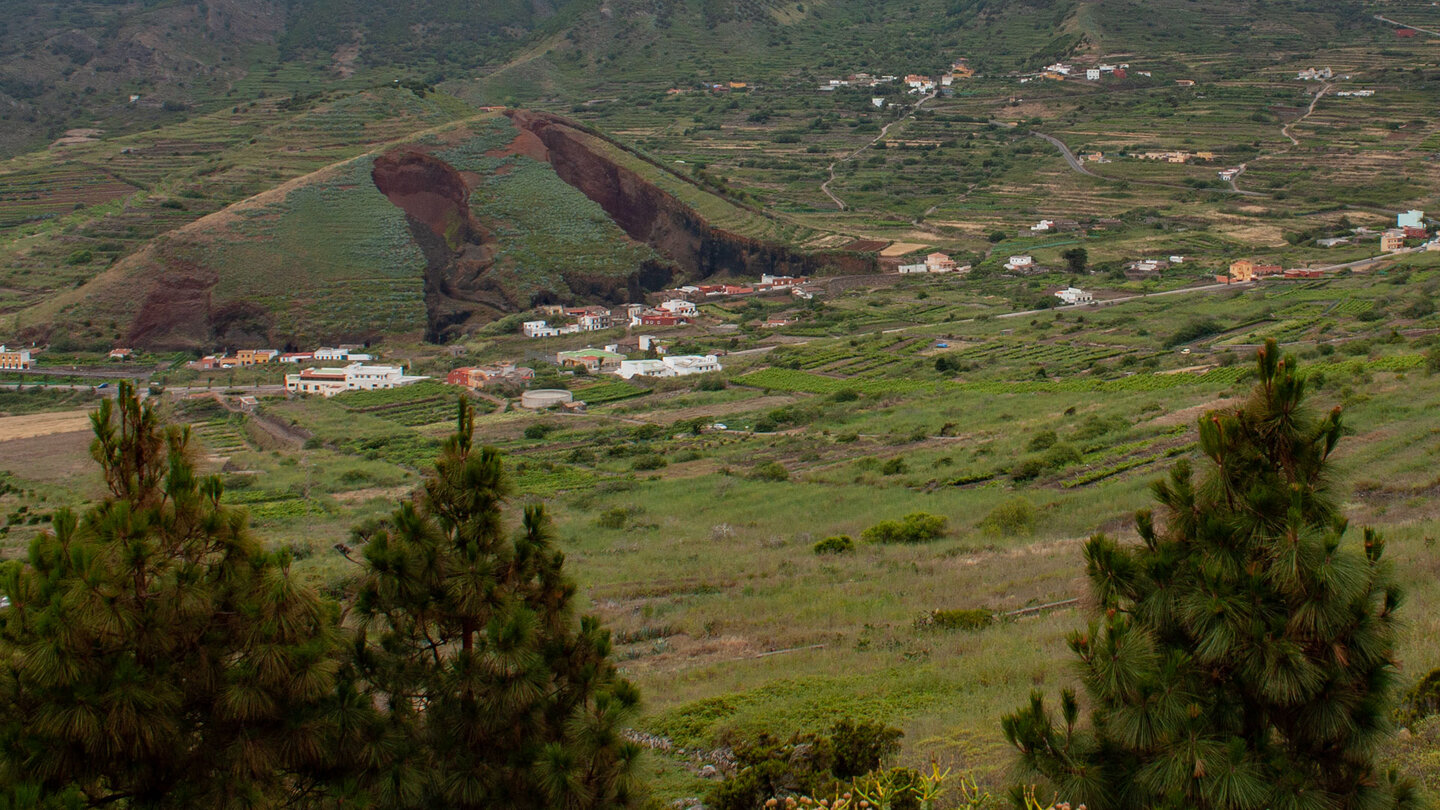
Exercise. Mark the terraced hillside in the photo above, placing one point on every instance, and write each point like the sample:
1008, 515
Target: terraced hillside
484, 218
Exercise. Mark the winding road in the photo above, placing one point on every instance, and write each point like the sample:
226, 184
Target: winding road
825, 186
1078, 166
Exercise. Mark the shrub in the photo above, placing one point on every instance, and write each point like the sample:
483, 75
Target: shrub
765, 767
770, 471
711, 382
617, 517
81, 256
845, 395
959, 619
1011, 518
648, 461
648, 431
1043, 440
835, 544
1421, 701
765, 425
894, 466
861, 747
538, 431
916, 527
1028, 468
1061, 455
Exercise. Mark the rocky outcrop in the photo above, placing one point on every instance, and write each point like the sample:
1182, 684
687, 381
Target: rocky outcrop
649, 214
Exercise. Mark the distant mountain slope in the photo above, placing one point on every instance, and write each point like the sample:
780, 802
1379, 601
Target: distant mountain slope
627, 45
68, 64
73, 63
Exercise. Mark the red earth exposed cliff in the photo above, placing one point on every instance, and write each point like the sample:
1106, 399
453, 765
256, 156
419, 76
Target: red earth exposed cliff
651, 215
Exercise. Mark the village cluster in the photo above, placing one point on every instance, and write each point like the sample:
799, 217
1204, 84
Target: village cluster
676, 308
915, 83
1061, 71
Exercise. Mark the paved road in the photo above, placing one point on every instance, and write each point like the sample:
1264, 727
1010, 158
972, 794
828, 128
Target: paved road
1078, 166
1069, 156
1411, 27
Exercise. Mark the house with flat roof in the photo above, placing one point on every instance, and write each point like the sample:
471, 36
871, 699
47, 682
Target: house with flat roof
327, 382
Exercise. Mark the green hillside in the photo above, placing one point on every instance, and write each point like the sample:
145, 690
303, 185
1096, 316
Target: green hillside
327, 257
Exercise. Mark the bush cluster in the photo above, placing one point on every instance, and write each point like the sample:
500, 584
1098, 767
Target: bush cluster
835, 544
957, 619
916, 527
809, 763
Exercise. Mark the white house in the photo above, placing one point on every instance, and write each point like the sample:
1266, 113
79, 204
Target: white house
1043, 225
914, 268
684, 364
644, 368
1075, 295
594, 321
1410, 219
1093, 74
676, 366
1020, 262
680, 307
328, 382
1177, 259
325, 353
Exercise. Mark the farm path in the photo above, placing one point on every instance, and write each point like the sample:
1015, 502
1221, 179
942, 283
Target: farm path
1285, 130
885, 130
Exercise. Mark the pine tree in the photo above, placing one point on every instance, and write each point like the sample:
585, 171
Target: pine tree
497, 695
1242, 654
152, 654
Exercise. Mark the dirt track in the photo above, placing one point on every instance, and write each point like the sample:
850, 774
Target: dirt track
43, 424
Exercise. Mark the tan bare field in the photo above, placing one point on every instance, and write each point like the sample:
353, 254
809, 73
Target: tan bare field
1269, 235
55, 458
43, 424
902, 248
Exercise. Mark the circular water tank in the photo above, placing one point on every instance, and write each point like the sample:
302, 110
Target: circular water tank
545, 398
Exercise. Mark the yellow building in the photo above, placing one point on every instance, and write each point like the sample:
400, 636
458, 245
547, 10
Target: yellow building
1243, 270
15, 359
251, 357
